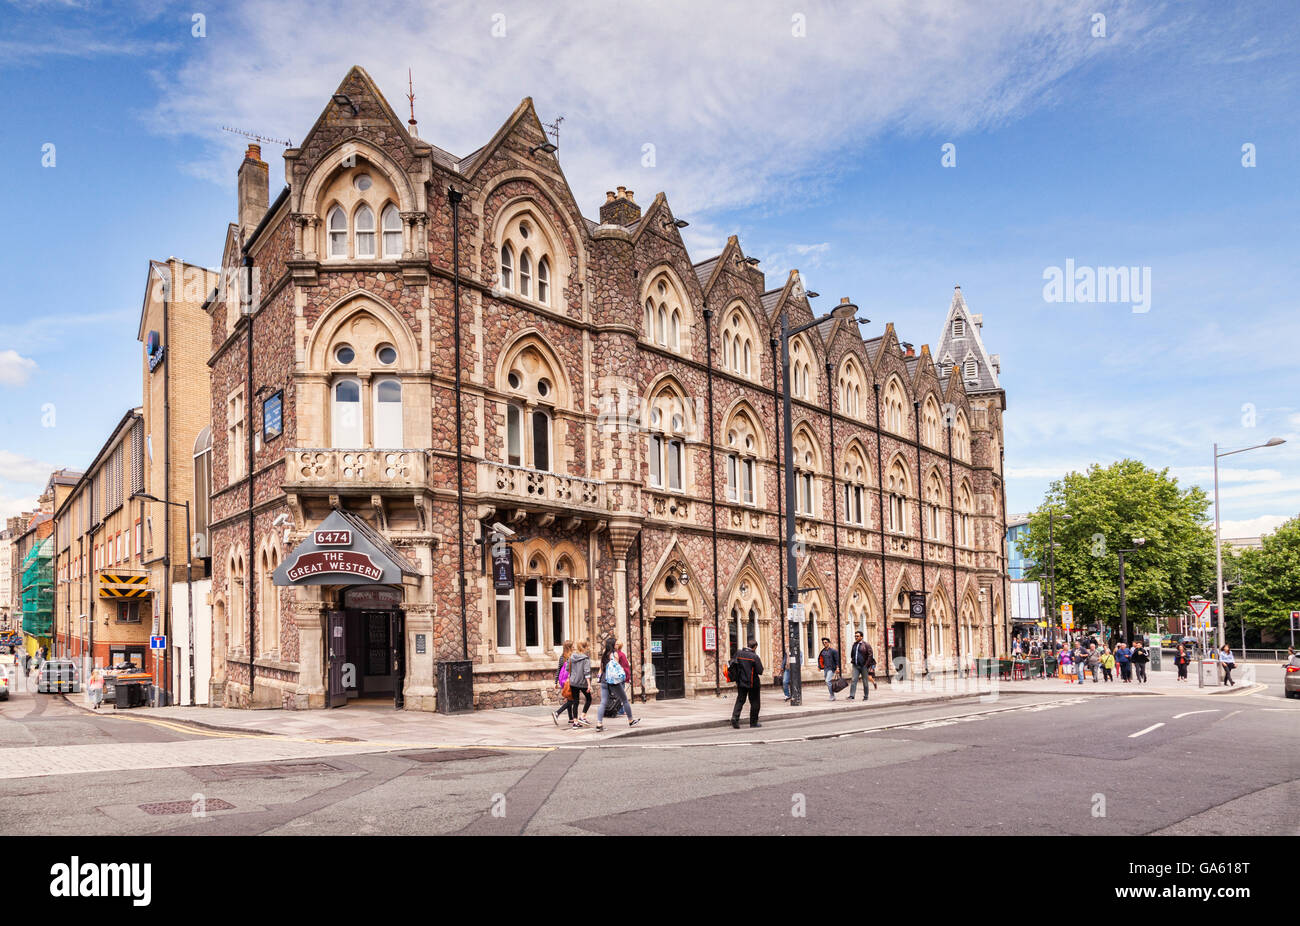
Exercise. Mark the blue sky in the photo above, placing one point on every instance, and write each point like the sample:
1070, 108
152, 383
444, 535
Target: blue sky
812, 132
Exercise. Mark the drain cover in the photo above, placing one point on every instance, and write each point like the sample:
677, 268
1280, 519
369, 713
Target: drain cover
268, 770
169, 807
448, 755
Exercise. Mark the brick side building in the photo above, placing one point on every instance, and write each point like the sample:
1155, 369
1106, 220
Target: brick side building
619, 419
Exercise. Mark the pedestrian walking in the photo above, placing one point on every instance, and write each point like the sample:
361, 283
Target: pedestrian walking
828, 660
566, 690
95, 688
746, 670
1140, 659
785, 680
1229, 662
1094, 661
1063, 660
1123, 659
863, 660
612, 677
1080, 657
1181, 660
579, 684
1107, 665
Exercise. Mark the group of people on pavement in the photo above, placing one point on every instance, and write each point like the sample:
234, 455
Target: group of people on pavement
573, 676
1091, 657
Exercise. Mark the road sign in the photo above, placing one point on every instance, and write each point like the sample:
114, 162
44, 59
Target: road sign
891, 637
794, 614
158, 642
1067, 615
1200, 612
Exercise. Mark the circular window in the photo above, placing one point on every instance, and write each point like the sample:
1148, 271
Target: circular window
543, 387
677, 422
362, 182
345, 354
533, 565
514, 380
663, 287
387, 354
654, 417
524, 230
749, 443
670, 585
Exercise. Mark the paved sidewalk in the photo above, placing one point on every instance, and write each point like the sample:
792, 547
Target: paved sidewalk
532, 727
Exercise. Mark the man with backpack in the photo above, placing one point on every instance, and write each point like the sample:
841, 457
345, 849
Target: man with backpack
828, 660
746, 670
864, 660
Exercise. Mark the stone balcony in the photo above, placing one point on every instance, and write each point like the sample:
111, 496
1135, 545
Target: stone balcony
517, 486
308, 467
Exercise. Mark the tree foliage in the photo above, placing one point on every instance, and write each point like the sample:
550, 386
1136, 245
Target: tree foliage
1099, 512
1264, 584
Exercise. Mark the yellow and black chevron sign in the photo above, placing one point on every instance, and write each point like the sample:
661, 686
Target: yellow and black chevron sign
113, 585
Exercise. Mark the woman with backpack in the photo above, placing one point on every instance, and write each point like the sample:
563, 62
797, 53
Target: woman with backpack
612, 677
562, 683
579, 685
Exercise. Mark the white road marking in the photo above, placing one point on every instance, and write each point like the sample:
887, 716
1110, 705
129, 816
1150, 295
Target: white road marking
1213, 710
1154, 726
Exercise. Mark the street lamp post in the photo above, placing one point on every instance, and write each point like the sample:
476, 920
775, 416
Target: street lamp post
1123, 603
1218, 549
189, 578
844, 310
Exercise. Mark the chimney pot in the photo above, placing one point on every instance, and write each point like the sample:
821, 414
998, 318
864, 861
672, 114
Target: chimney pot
844, 300
254, 152
620, 208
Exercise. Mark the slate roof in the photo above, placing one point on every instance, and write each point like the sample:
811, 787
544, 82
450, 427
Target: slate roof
970, 345
704, 269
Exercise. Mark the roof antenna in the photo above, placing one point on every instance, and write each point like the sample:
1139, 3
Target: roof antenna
553, 130
410, 97
275, 141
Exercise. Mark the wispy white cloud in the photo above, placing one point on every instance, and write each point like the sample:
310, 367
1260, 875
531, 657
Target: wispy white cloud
12, 505
15, 467
734, 96
1254, 527
37, 332
15, 369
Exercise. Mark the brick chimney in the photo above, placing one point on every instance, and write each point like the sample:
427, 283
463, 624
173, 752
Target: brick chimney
254, 189
908, 350
620, 208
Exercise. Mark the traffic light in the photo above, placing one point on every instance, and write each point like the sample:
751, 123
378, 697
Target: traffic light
1214, 613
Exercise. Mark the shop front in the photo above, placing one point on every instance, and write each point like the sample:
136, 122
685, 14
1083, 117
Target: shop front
360, 577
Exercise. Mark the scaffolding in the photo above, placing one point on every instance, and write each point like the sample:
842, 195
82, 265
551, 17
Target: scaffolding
38, 590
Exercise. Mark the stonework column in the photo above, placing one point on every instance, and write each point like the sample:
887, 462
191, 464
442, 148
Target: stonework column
310, 618
419, 690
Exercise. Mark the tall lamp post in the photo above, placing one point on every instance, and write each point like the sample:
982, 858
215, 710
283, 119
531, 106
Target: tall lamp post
1123, 603
845, 310
189, 577
1218, 548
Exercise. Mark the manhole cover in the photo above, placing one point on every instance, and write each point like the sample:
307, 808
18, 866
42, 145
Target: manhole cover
269, 770
448, 755
168, 807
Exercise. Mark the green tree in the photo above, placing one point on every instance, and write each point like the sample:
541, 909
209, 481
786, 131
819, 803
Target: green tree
1099, 512
1269, 578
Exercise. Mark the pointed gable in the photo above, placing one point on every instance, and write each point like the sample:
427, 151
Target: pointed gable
961, 345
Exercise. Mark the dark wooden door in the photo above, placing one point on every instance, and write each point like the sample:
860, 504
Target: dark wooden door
336, 695
899, 652
668, 656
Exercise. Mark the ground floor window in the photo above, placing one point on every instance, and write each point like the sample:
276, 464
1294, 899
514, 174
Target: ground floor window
505, 620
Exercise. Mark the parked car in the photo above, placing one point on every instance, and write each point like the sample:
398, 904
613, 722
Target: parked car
58, 675
1291, 678
4, 686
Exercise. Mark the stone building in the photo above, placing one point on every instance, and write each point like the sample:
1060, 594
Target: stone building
616, 470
